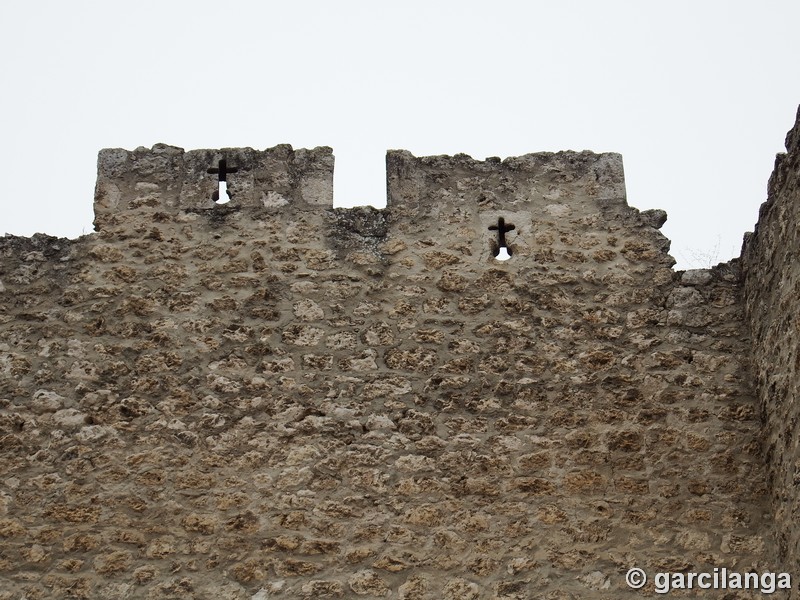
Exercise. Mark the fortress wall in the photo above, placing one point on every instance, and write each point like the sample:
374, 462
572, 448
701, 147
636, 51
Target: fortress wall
284, 400
771, 268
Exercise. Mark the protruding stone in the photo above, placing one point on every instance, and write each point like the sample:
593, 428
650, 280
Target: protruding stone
654, 217
696, 277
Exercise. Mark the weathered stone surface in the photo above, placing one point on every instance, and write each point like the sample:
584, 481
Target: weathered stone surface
272, 398
771, 275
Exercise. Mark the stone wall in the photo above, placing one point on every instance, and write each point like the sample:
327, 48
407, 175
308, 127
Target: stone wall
772, 299
273, 398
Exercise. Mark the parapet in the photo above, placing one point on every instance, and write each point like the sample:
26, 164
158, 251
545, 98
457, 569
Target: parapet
576, 191
169, 178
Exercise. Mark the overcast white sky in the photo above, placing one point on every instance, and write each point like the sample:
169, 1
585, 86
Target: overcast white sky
696, 95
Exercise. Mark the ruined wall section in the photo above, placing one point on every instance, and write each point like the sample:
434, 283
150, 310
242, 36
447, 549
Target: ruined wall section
771, 272
205, 401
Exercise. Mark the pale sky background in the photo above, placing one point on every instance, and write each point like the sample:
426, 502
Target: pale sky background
696, 95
